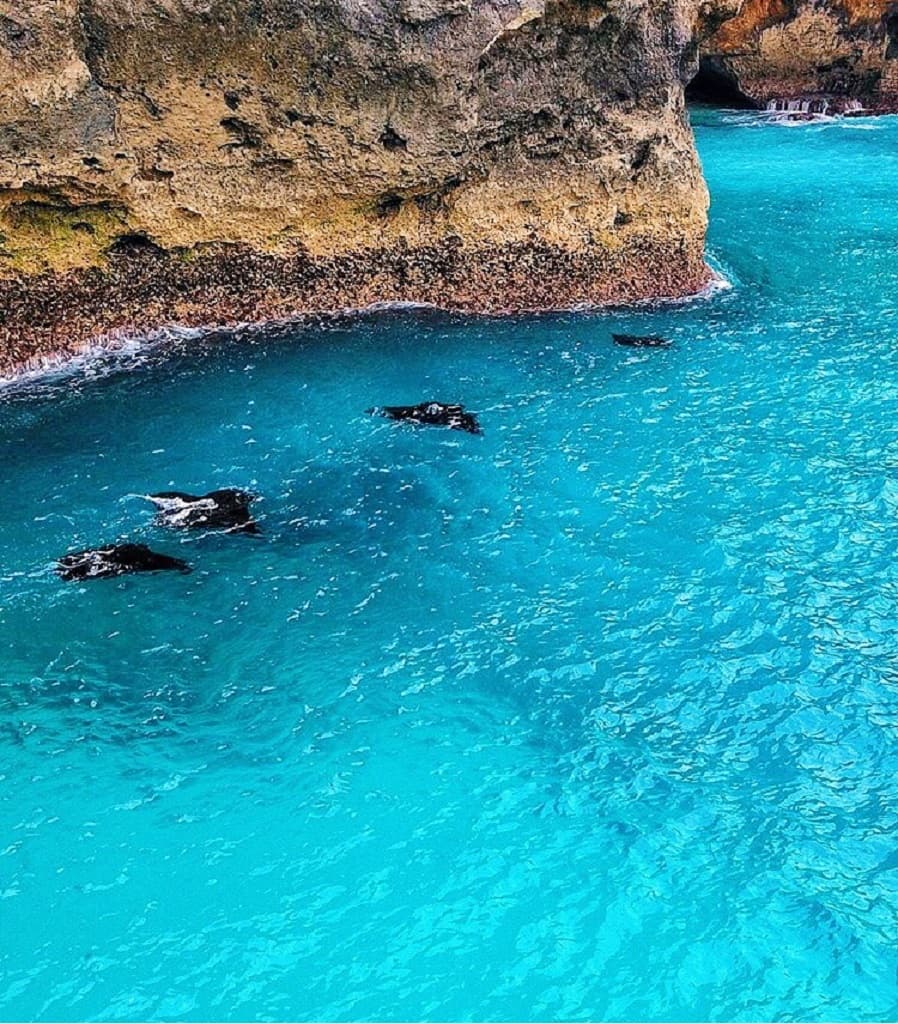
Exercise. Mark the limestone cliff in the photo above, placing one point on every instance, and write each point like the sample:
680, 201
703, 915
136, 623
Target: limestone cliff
210, 161
833, 54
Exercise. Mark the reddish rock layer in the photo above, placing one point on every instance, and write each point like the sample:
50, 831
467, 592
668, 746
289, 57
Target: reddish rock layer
49, 316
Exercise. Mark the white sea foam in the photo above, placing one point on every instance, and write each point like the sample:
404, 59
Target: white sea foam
119, 350
108, 354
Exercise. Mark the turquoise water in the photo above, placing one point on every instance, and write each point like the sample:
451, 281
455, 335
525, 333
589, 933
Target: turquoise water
593, 716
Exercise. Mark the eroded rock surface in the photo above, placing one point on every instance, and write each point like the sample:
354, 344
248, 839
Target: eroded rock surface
213, 161
815, 55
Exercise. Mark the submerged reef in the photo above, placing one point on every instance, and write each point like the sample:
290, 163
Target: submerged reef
217, 161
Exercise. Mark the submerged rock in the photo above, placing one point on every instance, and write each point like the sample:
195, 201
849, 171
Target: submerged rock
641, 341
226, 509
116, 560
434, 414
223, 162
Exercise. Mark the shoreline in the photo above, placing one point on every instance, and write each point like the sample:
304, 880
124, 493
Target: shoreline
50, 321
124, 345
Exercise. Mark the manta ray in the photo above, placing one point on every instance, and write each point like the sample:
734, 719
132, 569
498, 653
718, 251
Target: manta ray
226, 509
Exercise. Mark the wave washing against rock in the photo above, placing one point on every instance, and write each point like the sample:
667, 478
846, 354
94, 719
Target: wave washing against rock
123, 350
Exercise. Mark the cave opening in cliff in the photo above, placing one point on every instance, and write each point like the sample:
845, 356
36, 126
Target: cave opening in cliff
892, 36
716, 86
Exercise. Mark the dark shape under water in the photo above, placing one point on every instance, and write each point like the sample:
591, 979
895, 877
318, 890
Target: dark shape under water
641, 341
227, 509
116, 560
434, 414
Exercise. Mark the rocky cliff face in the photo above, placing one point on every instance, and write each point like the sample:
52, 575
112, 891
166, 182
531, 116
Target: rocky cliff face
830, 54
210, 161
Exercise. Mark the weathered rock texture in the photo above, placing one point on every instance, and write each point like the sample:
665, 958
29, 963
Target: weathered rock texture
834, 54
210, 161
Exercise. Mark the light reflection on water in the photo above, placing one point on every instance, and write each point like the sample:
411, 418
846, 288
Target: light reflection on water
591, 717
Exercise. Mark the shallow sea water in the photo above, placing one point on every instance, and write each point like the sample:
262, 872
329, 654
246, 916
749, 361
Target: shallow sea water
594, 716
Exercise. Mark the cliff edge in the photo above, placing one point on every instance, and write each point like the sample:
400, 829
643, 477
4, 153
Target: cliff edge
216, 161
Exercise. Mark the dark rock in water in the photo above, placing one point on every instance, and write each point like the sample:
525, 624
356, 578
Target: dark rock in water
641, 341
116, 560
434, 414
227, 509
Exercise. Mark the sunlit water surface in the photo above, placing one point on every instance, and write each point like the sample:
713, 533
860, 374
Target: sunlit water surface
593, 716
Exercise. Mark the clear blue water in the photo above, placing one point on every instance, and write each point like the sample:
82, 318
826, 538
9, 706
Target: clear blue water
595, 716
